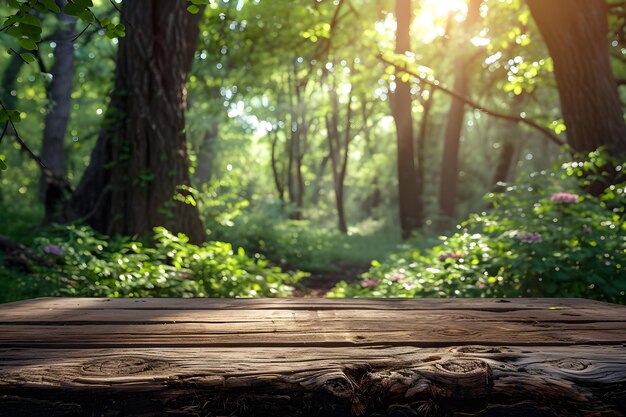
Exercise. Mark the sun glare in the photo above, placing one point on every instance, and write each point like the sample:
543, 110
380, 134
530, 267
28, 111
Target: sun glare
431, 17
444, 7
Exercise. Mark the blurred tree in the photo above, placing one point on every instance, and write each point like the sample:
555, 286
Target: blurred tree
456, 115
139, 163
59, 94
575, 32
401, 105
339, 139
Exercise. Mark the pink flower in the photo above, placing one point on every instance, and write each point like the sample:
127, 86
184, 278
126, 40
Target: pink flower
587, 229
564, 198
368, 283
397, 276
529, 237
445, 256
482, 286
54, 250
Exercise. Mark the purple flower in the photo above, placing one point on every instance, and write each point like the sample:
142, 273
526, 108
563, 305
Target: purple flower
368, 283
54, 250
397, 276
445, 256
564, 198
587, 229
529, 237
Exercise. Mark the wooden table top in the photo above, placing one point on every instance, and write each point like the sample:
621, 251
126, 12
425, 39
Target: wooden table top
462, 350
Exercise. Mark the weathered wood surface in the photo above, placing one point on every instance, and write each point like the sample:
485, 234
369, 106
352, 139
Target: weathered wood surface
396, 358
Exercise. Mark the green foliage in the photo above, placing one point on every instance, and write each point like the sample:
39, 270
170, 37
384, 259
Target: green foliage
302, 244
536, 242
84, 263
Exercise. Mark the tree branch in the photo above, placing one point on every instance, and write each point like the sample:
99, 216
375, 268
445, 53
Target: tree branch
546, 132
50, 176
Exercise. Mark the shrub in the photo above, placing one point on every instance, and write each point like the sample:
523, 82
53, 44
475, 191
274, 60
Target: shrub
83, 263
544, 237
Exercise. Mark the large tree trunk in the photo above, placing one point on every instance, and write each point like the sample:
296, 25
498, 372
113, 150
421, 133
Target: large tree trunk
410, 216
57, 118
576, 33
140, 160
450, 163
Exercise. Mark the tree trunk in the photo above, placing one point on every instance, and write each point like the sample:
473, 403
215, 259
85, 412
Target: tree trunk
450, 163
374, 199
278, 182
297, 142
206, 156
140, 160
505, 162
317, 187
576, 32
410, 217
420, 168
339, 148
57, 118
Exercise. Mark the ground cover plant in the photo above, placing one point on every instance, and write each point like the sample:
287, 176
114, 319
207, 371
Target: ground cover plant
544, 236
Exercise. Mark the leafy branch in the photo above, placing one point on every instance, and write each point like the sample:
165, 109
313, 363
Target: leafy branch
436, 84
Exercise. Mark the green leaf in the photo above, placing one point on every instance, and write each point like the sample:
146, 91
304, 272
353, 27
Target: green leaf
27, 44
3, 165
29, 19
193, 9
51, 5
29, 31
73, 9
29, 58
15, 116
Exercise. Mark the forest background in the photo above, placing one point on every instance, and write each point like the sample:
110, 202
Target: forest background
271, 148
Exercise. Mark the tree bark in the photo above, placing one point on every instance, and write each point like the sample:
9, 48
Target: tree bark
410, 217
57, 118
450, 163
140, 160
576, 32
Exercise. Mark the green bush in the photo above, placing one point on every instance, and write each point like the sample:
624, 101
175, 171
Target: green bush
537, 241
83, 263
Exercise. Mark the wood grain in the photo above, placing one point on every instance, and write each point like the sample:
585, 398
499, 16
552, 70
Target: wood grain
395, 358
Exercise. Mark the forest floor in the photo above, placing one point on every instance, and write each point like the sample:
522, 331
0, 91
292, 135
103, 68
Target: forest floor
319, 283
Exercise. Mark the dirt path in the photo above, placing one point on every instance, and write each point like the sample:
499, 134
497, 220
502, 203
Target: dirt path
319, 283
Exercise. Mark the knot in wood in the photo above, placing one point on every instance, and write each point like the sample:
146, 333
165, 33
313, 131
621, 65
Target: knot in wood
339, 387
571, 364
121, 366
464, 378
478, 349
